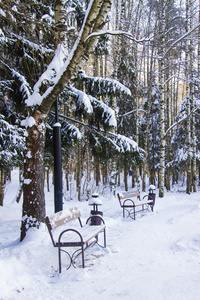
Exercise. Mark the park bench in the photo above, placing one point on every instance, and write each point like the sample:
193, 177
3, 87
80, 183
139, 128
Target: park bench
81, 237
131, 206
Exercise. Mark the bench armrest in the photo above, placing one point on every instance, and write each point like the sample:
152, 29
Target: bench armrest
127, 201
70, 240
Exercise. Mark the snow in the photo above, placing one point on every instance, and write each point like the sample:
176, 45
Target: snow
83, 99
57, 124
28, 122
56, 68
155, 257
107, 112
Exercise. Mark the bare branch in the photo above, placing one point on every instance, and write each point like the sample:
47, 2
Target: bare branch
131, 112
180, 39
180, 121
117, 32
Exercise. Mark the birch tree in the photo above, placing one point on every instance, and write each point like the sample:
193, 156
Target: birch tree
60, 71
188, 188
162, 99
193, 135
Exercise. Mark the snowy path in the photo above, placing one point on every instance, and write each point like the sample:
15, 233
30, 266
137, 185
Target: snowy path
156, 257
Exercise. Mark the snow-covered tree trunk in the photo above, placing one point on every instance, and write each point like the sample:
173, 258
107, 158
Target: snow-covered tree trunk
188, 188
193, 135
168, 79
199, 43
33, 211
46, 90
146, 141
119, 12
78, 170
168, 142
162, 103
136, 31
21, 180
2, 185
125, 173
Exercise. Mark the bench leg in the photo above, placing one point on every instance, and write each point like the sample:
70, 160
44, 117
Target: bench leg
104, 238
83, 259
59, 259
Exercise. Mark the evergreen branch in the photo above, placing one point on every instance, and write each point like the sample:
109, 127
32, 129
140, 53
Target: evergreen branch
100, 132
24, 88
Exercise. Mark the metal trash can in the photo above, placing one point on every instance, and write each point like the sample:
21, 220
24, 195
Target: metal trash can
95, 202
96, 220
152, 193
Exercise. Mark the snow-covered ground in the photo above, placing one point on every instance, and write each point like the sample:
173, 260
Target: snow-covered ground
155, 257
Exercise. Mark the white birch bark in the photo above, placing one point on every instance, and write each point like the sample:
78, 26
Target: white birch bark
188, 188
193, 135
162, 103
39, 104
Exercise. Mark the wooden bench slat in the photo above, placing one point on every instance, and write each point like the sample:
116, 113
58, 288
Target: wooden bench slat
87, 232
63, 217
144, 203
126, 195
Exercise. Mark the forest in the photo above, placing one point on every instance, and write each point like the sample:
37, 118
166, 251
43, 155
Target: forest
121, 78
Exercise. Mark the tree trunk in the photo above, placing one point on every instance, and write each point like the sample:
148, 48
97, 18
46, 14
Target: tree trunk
194, 179
21, 180
125, 174
188, 188
2, 185
162, 106
199, 44
47, 174
33, 197
78, 170
39, 104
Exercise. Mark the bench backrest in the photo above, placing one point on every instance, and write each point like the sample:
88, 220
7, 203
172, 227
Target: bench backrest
127, 195
60, 218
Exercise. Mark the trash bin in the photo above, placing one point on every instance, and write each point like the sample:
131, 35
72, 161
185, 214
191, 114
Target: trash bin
152, 193
95, 202
96, 220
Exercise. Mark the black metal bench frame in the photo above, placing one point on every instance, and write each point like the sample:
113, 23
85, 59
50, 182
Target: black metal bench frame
128, 205
82, 238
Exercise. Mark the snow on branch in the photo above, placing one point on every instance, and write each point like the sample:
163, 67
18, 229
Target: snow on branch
29, 44
57, 67
126, 144
83, 100
118, 32
48, 77
120, 143
103, 86
95, 17
181, 120
11, 142
107, 113
25, 88
180, 39
132, 111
